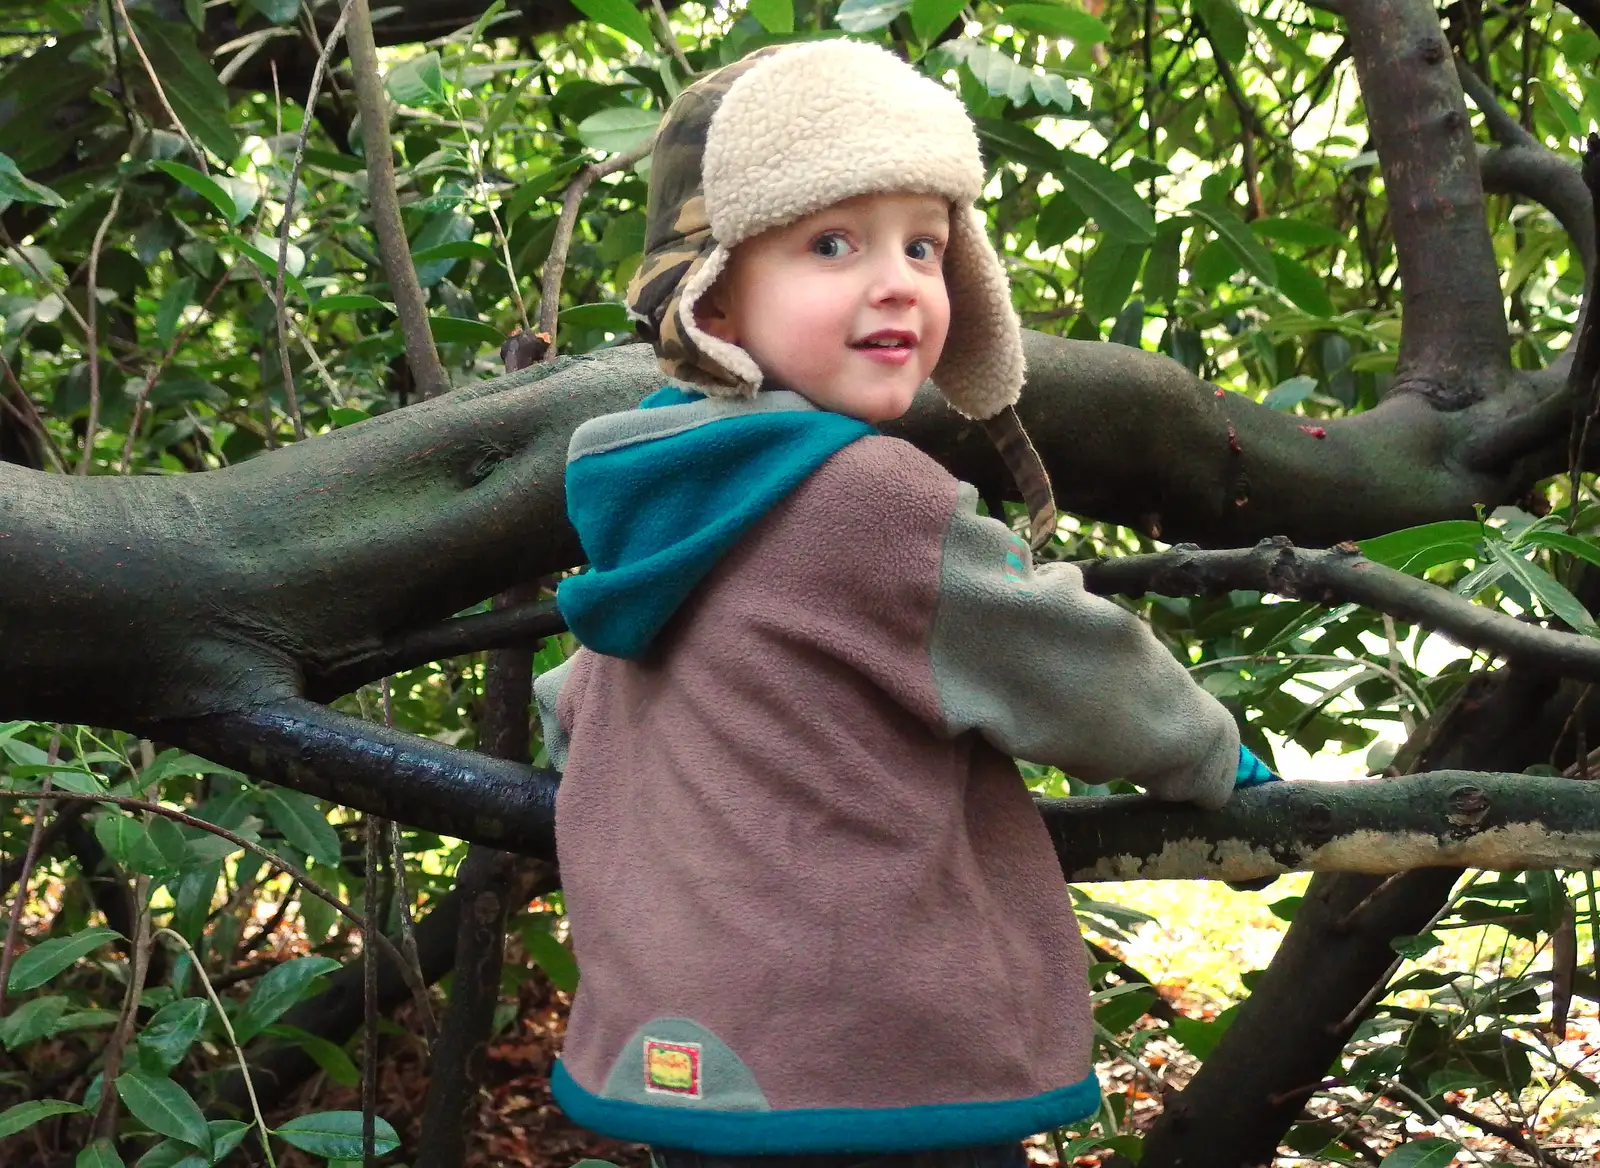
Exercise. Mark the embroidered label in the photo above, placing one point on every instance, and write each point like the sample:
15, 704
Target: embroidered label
1016, 564
672, 1068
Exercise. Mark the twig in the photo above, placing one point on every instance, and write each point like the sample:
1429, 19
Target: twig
1342, 575
669, 39
233, 1041
1381, 986
397, 864
32, 419
421, 353
43, 278
1503, 128
161, 94
105, 1116
14, 925
270, 857
555, 266
369, 969
288, 218
1509, 1134
166, 358
92, 308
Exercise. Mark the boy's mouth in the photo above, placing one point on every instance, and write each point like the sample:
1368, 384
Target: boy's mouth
887, 339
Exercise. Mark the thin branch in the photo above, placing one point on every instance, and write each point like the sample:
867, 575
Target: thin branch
555, 266
288, 219
421, 353
92, 307
105, 1116
270, 857
33, 419
14, 924
370, 928
669, 39
1340, 576
161, 93
233, 1041
166, 358
1503, 128
1343, 576
43, 278
408, 934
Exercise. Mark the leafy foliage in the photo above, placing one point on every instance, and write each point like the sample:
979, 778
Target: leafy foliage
1192, 180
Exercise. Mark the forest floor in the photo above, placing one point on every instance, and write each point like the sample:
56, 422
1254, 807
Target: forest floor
1205, 938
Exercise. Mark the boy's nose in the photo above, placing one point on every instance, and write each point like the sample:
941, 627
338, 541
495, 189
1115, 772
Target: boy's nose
894, 278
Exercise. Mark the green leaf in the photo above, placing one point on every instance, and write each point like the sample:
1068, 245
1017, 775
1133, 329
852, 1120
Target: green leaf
348, 302
48, 958
15, 187
611, 317
866, 15
417, 81
1551, 593
197, 97
618, 130
1124, 1010
1107, 197
172, 1154
336, 1135
1057, 20
774, 15
164, 1107
619, 15
553, 957
1019, 144
459, 249
1059, 221
457, 330
282, 988
226, 1135
25, 1115
1429, 1153
1559, 542
178, 296
1410, 549
277, 11
1305, 290
1239, 239
1161, 269
1109, 275
1297, 231
329, 1057
1288, 394
35, 1019
304, 823
931, 17
1229, 34
206, 187
127, 841
268, 264
166, 1038
99, 1154
1199, 1038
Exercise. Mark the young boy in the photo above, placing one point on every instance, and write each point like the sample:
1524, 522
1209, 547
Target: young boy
814, 907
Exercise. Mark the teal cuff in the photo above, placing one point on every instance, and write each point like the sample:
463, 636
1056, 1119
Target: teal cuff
1252, 771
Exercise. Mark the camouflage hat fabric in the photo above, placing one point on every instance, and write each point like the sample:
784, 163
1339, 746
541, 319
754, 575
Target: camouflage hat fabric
787, 131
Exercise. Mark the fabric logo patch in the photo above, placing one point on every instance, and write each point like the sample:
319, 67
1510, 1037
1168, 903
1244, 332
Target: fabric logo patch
672, 1068
1016, 564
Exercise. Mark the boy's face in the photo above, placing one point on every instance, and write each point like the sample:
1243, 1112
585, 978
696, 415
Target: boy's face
847, 306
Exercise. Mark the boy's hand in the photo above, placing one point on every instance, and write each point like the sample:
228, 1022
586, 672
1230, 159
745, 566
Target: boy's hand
1252, 771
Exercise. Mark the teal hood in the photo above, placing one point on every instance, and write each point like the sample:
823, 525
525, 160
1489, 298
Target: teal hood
660, 494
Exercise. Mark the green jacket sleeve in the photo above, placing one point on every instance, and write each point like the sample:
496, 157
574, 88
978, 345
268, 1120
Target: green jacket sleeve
1048, 672
547, 696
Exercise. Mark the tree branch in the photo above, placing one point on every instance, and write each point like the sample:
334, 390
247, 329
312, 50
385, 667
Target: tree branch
1455, 328
1518, 821
1344, 576
421, 354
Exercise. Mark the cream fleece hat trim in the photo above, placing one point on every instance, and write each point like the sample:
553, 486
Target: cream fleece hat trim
806, 126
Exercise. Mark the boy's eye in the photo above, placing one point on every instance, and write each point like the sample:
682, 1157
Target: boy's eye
830, 246
923, 249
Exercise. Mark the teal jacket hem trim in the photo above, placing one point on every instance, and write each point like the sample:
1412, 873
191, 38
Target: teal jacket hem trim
825, 1129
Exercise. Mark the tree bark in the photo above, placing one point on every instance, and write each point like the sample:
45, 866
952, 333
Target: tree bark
1272, 1059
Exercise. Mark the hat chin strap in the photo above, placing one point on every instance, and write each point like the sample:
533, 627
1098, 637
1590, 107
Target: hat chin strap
1027, 469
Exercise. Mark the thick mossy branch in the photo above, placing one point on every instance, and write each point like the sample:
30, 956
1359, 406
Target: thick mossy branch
1455, 328
131, 600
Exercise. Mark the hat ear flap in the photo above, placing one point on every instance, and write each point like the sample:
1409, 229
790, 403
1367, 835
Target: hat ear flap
981, 369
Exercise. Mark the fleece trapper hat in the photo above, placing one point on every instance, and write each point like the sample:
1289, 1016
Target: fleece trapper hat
785, 132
